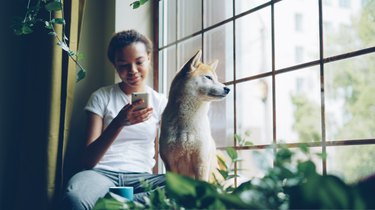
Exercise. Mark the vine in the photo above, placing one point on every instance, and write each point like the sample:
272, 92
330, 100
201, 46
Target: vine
24, 25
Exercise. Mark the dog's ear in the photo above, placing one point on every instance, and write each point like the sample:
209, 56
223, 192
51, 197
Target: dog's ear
195, 60
214, 64
192, 64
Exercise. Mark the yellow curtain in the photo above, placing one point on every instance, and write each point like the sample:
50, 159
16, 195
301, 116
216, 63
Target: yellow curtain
62, 93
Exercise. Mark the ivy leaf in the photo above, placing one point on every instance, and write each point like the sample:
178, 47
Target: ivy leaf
52, 33
53, 6
58, 21
136, 4
80, 74
25, 29
48, 25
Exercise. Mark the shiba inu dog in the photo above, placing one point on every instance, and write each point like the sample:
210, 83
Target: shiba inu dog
186, 144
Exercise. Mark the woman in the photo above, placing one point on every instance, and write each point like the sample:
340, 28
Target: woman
120, 142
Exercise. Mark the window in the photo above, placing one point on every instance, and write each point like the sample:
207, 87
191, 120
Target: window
298, 22
315, 86
344, 3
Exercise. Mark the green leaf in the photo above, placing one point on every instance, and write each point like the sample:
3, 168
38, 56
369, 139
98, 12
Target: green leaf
232, 153
58, 21
26, 29
80, 74
48, 25
135, 4
109, 202
180, 185
222, 162
53, 6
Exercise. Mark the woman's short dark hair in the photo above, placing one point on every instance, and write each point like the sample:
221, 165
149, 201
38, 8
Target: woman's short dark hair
123, 39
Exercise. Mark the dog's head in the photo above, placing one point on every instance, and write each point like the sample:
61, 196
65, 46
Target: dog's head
200, 80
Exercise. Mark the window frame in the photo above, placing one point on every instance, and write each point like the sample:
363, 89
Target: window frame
324, 143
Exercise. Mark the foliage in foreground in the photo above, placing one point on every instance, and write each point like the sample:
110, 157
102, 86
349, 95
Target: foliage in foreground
290, 184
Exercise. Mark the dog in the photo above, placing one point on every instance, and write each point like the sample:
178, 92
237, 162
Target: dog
186, 145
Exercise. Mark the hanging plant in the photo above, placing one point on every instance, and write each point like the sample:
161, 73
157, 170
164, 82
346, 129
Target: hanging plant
24, 25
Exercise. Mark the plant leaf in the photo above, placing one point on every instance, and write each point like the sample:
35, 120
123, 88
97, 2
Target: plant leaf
53, 6
232, 153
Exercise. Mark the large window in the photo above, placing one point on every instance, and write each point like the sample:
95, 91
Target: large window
300, 71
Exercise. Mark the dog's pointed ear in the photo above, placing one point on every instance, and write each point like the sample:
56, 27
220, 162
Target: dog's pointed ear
192, 64
196, 60
214, 64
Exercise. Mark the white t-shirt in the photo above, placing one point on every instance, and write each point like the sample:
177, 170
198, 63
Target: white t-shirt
133, 149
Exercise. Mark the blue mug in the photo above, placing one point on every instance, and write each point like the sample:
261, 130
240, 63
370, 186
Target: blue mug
126, 192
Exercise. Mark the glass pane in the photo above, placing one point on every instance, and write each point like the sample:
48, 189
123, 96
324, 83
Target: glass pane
244, 5
216, 11
189, 17
253, 44
222, 121
298, 112
255, 163
218, 44
254, 110
167, 22
296, 32
187, 49
350, 101
351, 163
354, 29
167, 68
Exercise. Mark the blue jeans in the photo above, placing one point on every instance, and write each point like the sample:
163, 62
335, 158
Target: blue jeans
86, 187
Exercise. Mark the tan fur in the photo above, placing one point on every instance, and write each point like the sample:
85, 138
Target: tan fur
186, 144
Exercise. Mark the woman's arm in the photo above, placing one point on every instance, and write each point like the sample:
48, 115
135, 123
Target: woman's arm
98, 141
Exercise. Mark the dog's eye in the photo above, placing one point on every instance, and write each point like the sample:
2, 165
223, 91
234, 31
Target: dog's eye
208, 77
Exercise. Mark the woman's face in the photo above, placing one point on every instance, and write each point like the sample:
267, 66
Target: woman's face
132, 64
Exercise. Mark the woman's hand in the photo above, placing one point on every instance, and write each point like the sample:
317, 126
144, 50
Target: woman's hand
129, 116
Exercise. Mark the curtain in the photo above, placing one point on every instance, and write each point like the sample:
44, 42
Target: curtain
62, 94
42, 91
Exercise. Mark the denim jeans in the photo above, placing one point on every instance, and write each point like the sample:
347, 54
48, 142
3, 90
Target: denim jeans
86, 187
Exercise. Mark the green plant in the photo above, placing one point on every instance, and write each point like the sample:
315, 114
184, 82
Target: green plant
25, 25
289, 184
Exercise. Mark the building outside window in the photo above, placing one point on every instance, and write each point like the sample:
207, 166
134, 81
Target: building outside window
319, 93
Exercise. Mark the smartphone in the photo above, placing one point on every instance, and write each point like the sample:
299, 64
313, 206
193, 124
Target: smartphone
136, 96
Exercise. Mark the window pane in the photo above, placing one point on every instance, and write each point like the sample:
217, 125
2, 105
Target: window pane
354, 29
254, 111
167, 67
296, 25
189, 17
255, 163
222, 121
167, 22
218, 44
351, 163
187, 49
298, 113
350, 101
244, 5
216, 11
253, 44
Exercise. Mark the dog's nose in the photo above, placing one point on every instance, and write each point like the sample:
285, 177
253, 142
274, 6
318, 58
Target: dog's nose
226, 90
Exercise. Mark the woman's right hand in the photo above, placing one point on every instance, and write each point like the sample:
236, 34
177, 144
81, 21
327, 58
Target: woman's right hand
129, 116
